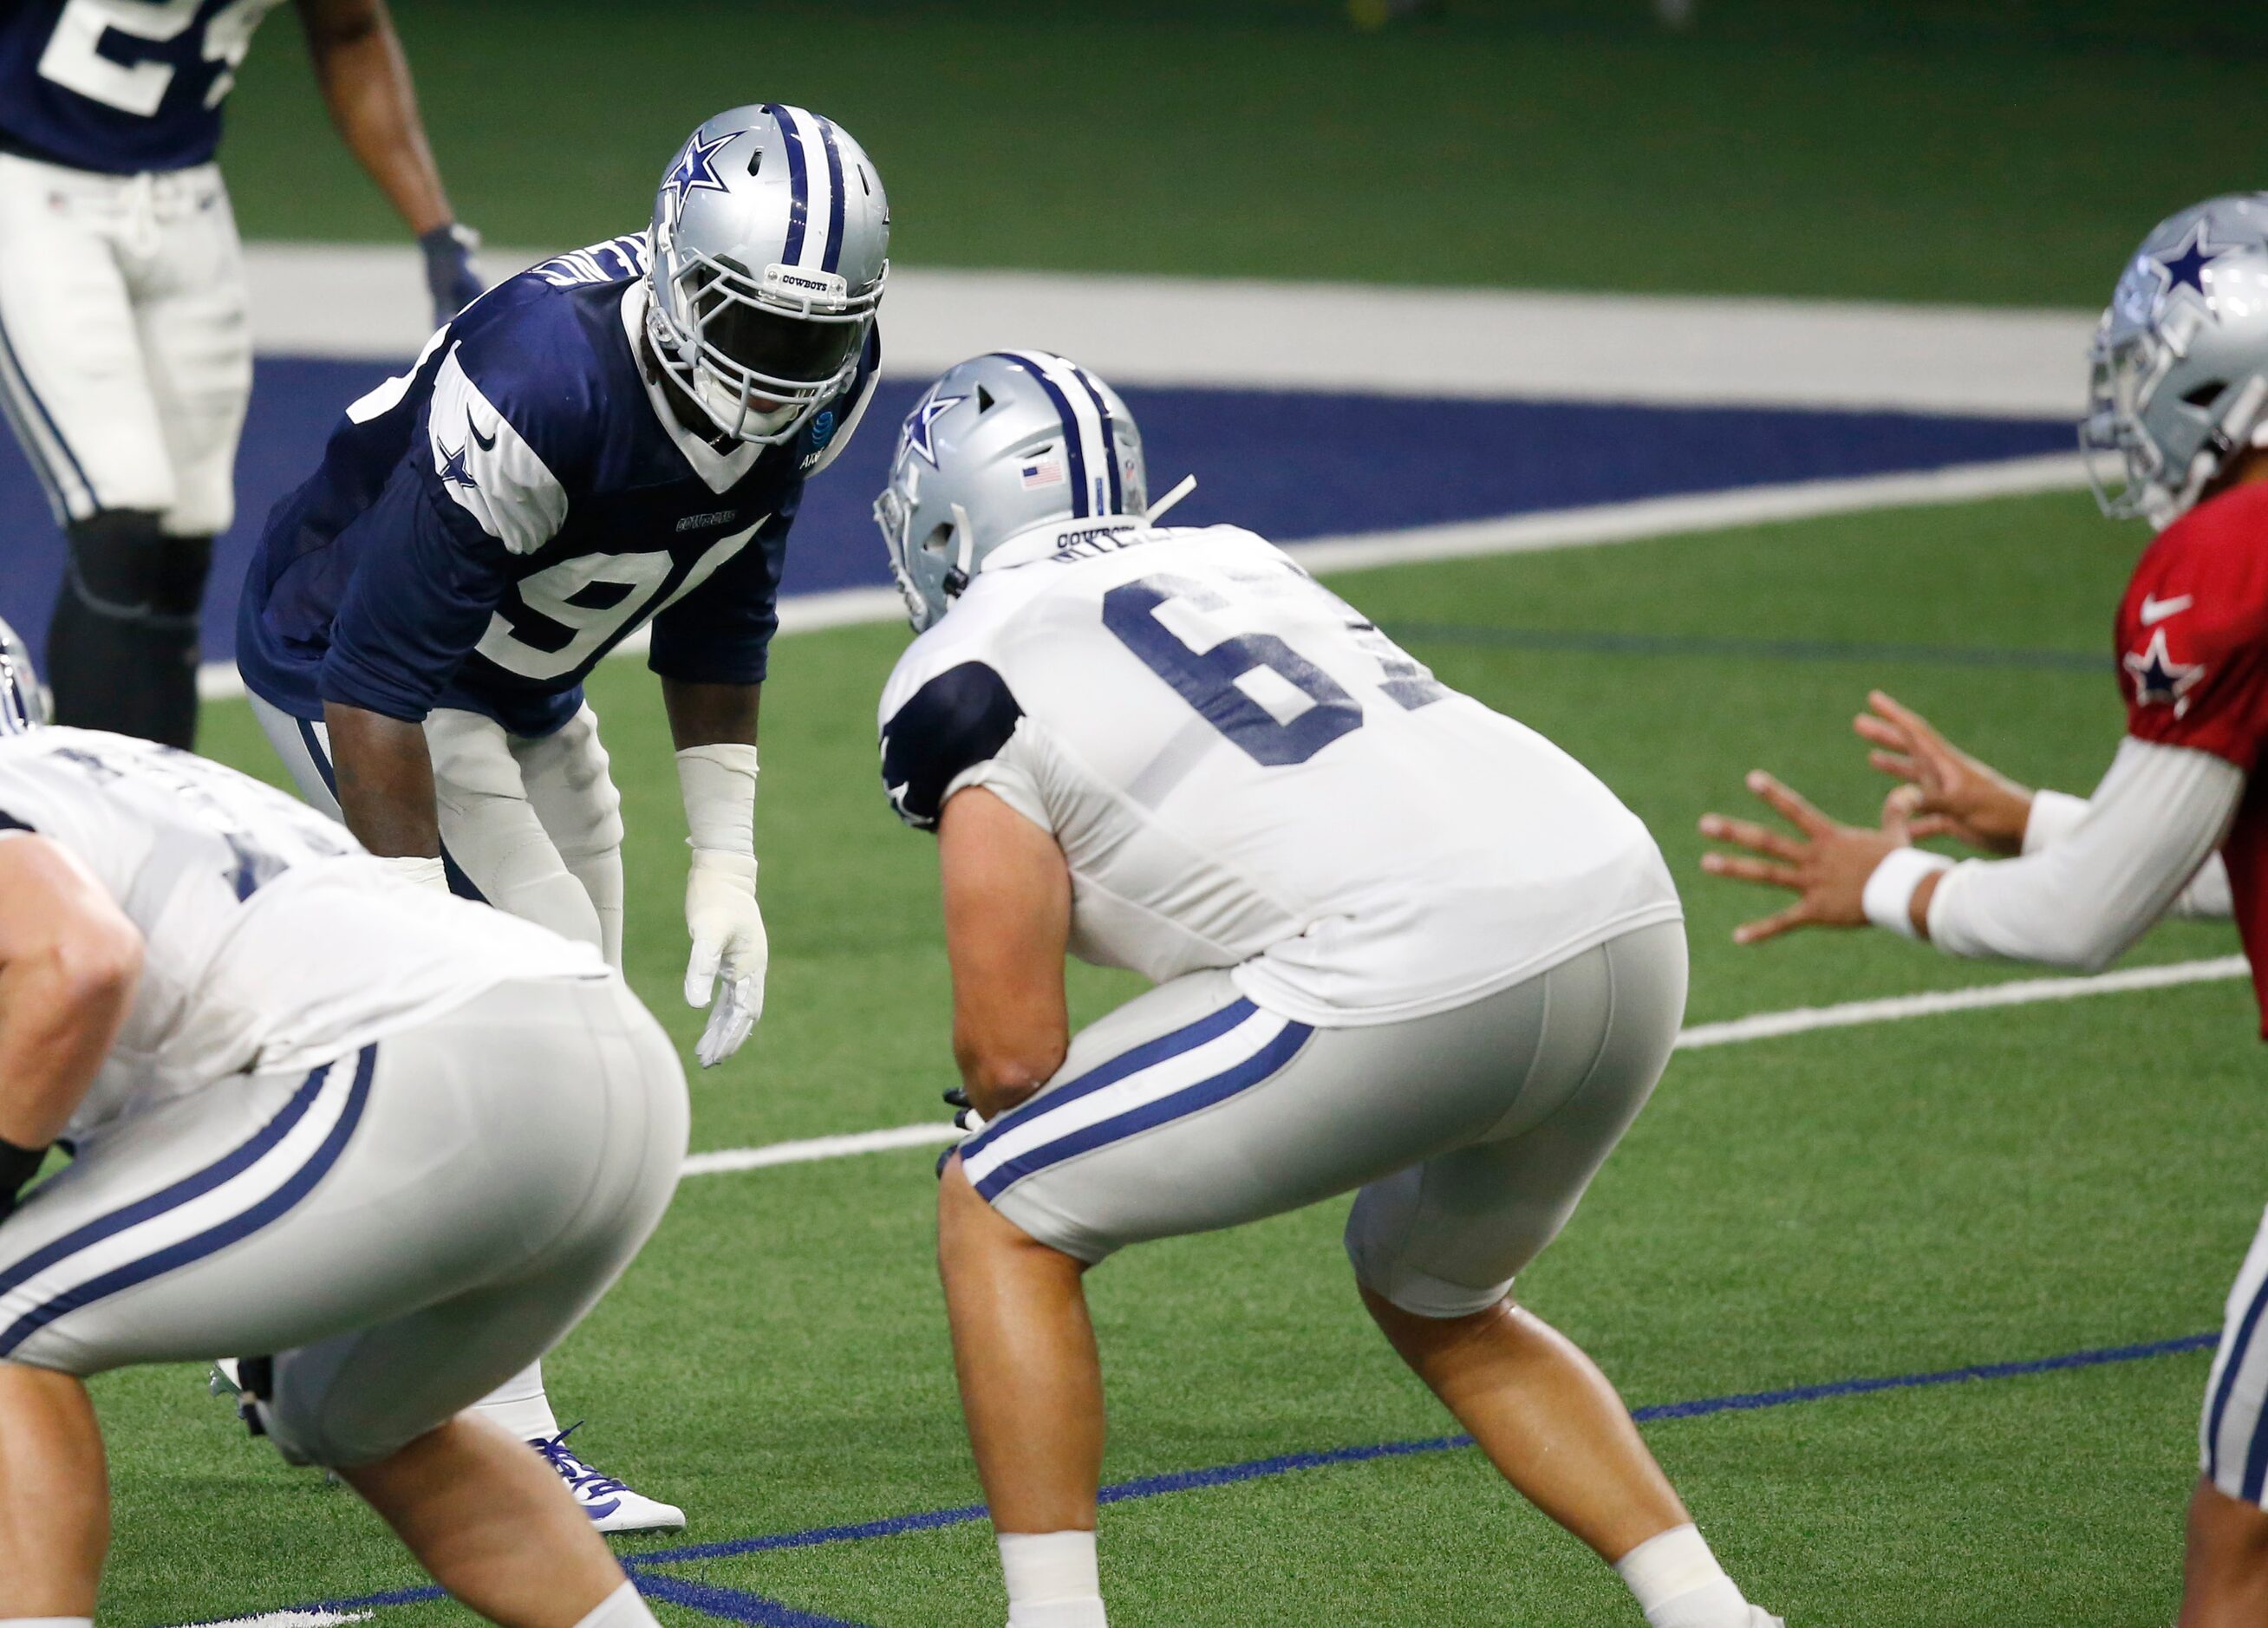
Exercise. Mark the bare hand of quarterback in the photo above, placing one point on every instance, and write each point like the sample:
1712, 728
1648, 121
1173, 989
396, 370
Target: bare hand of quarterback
1947, 792
1825, 863
730, 950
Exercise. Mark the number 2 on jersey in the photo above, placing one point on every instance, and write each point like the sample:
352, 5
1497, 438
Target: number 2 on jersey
1208, 680
75, 57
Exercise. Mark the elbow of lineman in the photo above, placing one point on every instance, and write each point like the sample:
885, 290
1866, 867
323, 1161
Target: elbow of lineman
999, 1078
2097, 951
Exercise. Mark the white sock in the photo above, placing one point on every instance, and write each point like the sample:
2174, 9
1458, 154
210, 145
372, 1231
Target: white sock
1680, 1585
47, 1622
1053, 1581
621, 1609
519, 1405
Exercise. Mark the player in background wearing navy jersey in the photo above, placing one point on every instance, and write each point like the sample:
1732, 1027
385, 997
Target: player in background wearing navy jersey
617, 436
125, 355
2179, 824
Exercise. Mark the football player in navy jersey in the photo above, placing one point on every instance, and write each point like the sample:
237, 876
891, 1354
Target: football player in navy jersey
125, 357
615, 438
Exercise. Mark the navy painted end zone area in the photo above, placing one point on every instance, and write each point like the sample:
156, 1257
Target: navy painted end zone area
1290, 465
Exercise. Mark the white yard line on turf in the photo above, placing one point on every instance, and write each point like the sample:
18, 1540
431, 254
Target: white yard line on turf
1738, 1031
2023, 992
367, 302
293, 1619
817, 1148
1591, 526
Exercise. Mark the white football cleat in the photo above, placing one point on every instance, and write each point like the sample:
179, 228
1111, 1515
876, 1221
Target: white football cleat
1760, 1617
611, 1504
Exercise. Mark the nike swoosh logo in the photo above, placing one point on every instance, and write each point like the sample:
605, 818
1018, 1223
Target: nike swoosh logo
2156, 610
486, 443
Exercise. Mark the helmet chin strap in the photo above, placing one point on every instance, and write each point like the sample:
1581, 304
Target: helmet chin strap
956, 580
2234, 434
1187, 484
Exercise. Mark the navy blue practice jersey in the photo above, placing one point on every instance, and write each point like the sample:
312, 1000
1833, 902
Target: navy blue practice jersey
485, 528
120, 85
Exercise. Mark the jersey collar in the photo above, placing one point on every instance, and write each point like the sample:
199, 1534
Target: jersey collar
1049, 537
718, 471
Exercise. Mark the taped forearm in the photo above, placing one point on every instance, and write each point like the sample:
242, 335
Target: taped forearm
718, 784
2084, 897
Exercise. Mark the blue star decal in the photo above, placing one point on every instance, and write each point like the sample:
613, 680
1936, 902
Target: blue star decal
453, 468
916, 431
693, 171
2160, 680
2185, 264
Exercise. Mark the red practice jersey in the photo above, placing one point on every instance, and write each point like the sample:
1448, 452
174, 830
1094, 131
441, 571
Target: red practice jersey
2193, 664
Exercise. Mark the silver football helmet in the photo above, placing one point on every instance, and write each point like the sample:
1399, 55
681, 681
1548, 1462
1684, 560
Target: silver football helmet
22, 700
771, 237
2181, 361
1002, 444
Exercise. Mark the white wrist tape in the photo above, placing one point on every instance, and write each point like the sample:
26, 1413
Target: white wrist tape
425, 872
1888, 898
719, 786
2054, 816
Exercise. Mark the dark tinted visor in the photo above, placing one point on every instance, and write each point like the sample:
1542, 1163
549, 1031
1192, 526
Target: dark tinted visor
777, 345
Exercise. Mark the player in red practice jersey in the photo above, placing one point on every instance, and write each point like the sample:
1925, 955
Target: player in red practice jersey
2179, 823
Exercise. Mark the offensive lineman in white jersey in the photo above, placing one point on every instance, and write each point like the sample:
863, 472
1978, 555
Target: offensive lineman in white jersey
388, 1146
125, 355
1360, 894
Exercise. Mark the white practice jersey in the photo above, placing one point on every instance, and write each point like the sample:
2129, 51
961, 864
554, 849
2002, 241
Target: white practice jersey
273, 941
1244, 773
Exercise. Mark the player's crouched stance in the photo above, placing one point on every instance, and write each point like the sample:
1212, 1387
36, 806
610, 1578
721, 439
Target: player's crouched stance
1401, 945
396, 1143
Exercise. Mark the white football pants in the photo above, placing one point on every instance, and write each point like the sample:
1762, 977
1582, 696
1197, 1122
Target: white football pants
1470, 1135
2234, 1433
535, 824
399, 1229
125, 353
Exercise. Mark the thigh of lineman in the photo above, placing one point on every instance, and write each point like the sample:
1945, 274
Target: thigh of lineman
402, 1228
125, 350
1471, 1133
2233, 1434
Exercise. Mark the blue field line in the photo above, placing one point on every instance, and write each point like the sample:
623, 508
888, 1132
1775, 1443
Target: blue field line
1601, 644
732, 1605
2096, 1359
1285, 1463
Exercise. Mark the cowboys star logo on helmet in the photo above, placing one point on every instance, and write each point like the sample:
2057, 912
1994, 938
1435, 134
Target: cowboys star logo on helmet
1043, 441
770, 234
2178, 387
694, 169
915, 433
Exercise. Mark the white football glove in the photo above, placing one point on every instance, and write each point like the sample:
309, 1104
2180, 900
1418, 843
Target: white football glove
730, 950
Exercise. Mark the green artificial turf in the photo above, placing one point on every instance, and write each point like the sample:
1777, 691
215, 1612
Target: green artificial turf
1901, 1199
1921, 151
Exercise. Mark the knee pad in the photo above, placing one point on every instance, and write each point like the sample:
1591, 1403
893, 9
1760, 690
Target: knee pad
124, 568
569, 780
